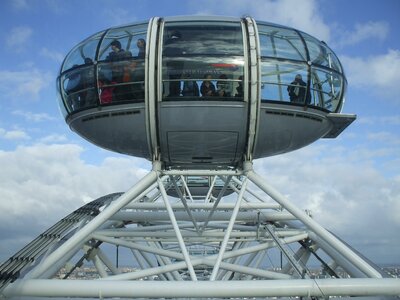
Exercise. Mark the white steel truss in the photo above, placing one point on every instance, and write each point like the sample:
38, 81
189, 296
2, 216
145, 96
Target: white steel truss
228, 235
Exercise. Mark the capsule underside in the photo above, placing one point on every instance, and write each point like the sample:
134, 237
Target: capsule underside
202, 92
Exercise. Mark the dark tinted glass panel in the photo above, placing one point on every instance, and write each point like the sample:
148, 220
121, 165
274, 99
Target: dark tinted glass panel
202, 39
203, 60
205, 77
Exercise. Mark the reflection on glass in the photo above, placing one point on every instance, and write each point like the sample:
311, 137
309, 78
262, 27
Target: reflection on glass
121, 81
194, 50
321, 54
82, 54
327, 87
132, 41
185, 77
278, 77
192, 62
79, 88
184, 38
281, 43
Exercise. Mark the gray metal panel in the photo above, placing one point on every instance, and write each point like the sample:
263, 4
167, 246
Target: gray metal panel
340, 122
202, 132
284, 128
118, 128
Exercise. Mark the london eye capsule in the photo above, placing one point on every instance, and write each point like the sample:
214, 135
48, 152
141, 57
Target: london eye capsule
203, 92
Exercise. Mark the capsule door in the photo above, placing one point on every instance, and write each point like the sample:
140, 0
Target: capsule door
202, 112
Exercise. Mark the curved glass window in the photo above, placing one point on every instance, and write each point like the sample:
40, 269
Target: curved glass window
79, 88
327, 88
299, 69
203, 60
278, 81
281, 43
82, 54
121, 69
321, 54
61, 105
128, 37
116, 75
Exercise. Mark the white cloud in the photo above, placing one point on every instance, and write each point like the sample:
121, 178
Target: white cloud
384, 137
19, 37
377, 74
53, 55
52, 181
304, 16
343, 193
53, 138
24, 84
118, 16
385, 120
362, 32
13, 134
20, 4
35, 117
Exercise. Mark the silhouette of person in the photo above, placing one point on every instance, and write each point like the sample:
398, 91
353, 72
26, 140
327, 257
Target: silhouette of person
141, 44
117, 52
118, 70
207, 88
223, 86
297, 90
239, 88
88, 95
190, 87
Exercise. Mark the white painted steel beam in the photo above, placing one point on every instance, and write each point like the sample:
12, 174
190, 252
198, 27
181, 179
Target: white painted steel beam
200, 216
177, 230
190, 234
204, 289
228, 232
236, 172
195, 260
205, 206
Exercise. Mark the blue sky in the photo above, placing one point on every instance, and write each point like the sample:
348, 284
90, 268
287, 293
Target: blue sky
351, 184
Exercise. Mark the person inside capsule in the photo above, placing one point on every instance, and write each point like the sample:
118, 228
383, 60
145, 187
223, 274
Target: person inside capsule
297, 90
207, 88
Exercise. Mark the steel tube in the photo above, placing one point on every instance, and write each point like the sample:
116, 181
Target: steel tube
195, 261
177, 230
228, 232
107, 262
188, 234
248, 270
206, 206
138, 246
201, 216
202, 172
196, 289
